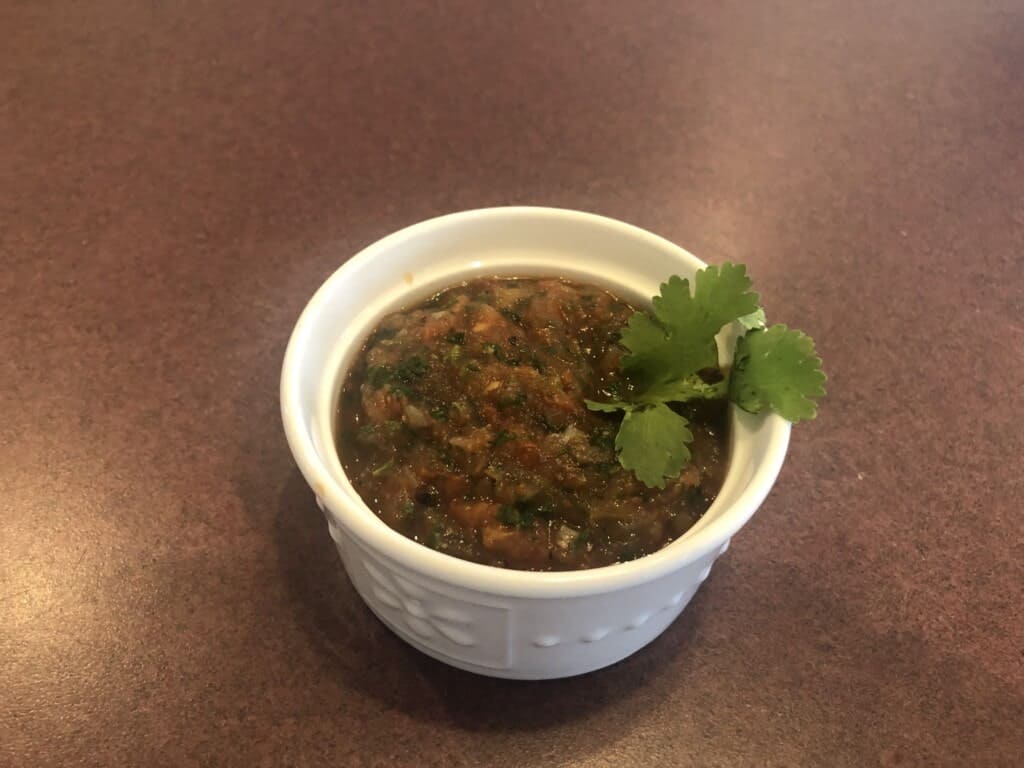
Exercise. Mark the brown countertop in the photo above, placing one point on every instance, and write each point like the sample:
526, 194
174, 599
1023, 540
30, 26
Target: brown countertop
177, 178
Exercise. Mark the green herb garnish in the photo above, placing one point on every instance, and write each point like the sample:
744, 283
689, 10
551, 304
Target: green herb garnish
411, 368
502, 438
398, 378
383, 467
777, 368
581, 540
773, 368
512, 315
490, 348
514, 517
523, 514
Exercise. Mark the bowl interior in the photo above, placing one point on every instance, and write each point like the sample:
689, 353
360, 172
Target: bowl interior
418, 261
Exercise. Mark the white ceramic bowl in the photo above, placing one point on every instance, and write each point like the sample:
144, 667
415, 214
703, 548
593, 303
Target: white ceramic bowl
494, 621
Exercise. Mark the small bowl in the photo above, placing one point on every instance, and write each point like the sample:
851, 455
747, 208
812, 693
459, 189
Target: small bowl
496, 621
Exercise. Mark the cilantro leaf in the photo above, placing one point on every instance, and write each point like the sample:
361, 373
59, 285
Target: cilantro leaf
772, 368
652, 442
650, 351
724, 294
680, 339
777, 368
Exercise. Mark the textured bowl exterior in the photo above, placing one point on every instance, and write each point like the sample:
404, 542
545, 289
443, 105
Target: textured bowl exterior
514, 637
488, 620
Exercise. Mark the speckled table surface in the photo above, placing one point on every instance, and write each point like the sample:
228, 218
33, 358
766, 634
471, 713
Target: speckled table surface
177, 178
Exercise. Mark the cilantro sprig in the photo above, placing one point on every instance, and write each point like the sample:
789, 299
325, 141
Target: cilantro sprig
774, 368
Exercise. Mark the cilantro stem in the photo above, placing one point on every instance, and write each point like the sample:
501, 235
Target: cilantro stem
683, 392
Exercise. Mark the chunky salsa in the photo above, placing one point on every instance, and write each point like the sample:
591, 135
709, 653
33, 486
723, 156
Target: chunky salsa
463, 426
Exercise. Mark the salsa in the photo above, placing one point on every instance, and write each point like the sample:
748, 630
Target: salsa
462, 424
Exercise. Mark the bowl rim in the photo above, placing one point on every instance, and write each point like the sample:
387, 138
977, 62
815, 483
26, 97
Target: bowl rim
356, 519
